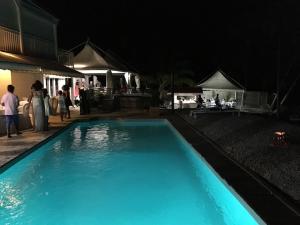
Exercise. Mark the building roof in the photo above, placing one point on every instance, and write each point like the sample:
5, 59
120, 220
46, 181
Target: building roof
220, 80
92, 57
26, 63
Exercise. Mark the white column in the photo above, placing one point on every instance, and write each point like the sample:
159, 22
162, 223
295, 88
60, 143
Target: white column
61, 82
54, 87
48, 87
73, 88
44, 81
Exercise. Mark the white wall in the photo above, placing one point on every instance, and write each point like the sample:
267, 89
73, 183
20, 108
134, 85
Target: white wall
5, 79
23, 81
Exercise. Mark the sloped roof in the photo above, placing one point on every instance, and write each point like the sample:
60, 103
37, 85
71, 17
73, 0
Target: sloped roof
22, 62
219, 80
91, 57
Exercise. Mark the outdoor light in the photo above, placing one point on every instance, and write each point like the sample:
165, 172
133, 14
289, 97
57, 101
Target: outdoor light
79, 66
10, 55
97, 71
5, 79
279, 139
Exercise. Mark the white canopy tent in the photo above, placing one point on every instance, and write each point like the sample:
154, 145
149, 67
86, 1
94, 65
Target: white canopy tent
227, 88
220, 81
90, 58
93, 62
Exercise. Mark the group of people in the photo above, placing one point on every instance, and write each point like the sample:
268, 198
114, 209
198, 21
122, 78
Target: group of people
200, 101
40, 102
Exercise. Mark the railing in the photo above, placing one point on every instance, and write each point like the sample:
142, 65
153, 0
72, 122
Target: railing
33, 46
9, 40
66, 58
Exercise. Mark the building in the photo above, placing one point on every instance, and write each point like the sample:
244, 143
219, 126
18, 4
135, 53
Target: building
185, 97
95, 63
28, 49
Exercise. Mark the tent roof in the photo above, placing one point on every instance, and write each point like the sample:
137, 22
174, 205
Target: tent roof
93, 58
219, 80
27, 63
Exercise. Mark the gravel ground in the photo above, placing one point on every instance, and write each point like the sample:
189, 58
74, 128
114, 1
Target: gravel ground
248, 140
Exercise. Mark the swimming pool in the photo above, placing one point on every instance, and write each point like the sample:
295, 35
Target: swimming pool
118, 172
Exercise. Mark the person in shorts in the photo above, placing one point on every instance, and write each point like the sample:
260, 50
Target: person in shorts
10, 102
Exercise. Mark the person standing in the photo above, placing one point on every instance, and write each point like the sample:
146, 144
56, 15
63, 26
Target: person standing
61, 105
68, 102
76, 89
10, 102
217, 101
180, 104
199, 101
38, 106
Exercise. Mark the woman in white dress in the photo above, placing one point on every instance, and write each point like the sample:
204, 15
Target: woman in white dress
38, 107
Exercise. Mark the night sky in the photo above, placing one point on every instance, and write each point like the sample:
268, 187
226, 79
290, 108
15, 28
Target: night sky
242, 37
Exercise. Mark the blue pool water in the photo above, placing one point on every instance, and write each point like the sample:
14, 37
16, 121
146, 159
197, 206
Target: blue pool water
131, 172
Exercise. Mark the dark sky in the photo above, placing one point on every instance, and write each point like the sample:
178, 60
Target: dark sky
241, 37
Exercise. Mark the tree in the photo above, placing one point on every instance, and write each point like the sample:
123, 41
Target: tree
160, 83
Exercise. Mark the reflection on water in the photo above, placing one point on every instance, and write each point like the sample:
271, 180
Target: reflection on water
101, 137
9, 196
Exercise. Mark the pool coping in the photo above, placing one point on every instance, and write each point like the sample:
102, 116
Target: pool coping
262, 199
266, 201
